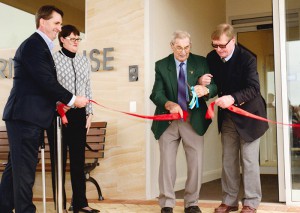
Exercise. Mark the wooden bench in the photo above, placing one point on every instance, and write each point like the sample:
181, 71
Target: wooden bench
94, 150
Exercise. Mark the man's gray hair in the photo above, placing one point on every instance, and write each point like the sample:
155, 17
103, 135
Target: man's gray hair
179, 34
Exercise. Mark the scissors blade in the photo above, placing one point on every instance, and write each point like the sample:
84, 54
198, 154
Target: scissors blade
188, 85
189, 88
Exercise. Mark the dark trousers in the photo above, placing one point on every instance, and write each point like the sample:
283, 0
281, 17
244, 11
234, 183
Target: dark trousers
19, 174
73, 140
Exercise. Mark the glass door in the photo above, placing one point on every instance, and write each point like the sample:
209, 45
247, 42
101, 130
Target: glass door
287, 61
292, 9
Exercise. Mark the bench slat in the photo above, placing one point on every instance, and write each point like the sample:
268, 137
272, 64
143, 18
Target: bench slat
95, 139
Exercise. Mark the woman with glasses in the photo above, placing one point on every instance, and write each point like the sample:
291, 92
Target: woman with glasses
73, 73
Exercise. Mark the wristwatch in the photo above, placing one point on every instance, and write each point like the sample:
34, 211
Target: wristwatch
207, 91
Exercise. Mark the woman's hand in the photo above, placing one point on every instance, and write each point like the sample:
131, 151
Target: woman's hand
88, 122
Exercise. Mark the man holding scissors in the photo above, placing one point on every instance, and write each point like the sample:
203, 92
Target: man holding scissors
175, 76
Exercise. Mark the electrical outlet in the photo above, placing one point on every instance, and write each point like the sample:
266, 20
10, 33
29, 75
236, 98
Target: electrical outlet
132, 106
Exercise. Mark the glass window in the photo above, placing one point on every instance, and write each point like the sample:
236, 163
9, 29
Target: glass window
293, 88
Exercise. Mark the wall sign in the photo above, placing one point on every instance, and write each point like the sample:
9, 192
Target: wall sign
96, 57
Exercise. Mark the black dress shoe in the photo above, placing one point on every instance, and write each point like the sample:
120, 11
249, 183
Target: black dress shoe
167, 210
86, 210
192, 209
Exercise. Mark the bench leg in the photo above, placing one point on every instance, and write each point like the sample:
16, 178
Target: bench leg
97, 186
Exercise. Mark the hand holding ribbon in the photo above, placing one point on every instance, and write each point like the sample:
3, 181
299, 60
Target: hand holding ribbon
62, 113
162, 117
210, 114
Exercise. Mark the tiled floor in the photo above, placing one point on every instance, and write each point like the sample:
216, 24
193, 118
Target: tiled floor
134, 206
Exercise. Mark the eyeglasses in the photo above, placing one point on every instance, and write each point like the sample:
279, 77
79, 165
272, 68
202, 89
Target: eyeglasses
180, 49
222, 46
74, 39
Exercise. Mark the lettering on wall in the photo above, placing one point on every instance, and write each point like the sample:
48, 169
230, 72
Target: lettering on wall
99, 61
95, 59
3, 65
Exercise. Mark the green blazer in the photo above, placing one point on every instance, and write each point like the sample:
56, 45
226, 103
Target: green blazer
165, 89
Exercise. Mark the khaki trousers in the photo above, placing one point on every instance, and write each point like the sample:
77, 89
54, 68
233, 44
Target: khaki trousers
193, 147
236, 153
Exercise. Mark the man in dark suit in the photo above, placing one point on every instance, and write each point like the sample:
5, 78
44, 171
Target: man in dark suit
30, 109
166, 95
235, 73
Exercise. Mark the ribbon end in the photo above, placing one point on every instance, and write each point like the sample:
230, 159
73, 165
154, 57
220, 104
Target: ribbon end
185, 115
210, 111
61, 112
64, 120
209, 115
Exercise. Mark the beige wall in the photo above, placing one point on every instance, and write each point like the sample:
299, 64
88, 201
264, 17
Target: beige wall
119, 24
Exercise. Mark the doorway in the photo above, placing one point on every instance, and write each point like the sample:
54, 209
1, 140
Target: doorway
260, 43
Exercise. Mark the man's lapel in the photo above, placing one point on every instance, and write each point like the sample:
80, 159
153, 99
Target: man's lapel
190, 71
172, 74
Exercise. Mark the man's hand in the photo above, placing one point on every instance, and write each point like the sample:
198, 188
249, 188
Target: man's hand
174, 108
65, 108
205, 79
200, 90
81, 101
224, 101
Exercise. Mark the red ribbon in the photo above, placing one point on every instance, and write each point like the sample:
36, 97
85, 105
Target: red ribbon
163, 117
61, 112
210, 114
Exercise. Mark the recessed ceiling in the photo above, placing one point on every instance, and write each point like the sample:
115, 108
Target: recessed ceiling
74, 10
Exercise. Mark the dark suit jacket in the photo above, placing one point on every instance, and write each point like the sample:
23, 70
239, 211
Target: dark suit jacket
238, 77
35, 87
165, 89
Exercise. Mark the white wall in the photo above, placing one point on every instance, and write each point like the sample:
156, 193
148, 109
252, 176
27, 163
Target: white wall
199, 18
16, 25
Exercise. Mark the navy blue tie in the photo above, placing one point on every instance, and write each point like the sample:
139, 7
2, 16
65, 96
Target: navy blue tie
182, 89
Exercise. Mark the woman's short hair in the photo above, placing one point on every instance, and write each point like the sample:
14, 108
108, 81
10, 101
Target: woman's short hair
67, 30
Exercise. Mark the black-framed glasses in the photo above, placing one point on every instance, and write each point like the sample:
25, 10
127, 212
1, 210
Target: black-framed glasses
222, 46
74, 39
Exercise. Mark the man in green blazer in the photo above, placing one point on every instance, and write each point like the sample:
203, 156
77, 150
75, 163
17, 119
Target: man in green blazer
167, 96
